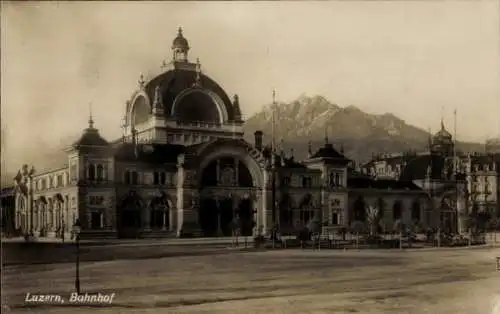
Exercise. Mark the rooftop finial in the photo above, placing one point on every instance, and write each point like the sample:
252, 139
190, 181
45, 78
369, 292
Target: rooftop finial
179, 31
442, 118
141, 81
197, 81
274, 97
91, 121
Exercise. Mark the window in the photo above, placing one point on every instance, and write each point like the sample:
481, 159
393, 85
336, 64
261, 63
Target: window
156, 178
163, 178
95, 220
306, 182
91, 174
285, 181
397, 210
59, 180
100, 172
335, 219
73, 170
415, 211
134, 177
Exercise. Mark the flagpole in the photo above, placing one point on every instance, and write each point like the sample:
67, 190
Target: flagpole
273, 170
455, 168
273, 130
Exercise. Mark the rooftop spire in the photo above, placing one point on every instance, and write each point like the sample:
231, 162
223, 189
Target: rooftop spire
273, 139
91, 121
442, 118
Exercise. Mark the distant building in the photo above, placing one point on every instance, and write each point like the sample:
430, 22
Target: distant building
182, 167
447, 175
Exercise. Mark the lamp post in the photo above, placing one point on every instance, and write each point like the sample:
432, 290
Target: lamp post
76, 231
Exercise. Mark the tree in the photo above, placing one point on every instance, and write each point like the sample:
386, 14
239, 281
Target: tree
399, 227
373, 218
358, 227
314, 226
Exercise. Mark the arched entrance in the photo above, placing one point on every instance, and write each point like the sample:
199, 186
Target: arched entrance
129, 215
224, 181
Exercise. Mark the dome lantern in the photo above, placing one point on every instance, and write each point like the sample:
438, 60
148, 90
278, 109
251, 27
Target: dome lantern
180, 47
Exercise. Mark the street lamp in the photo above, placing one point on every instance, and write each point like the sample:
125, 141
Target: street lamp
76, 231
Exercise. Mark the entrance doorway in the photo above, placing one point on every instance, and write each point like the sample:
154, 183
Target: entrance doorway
246, 212
208, 217
129, 216
226, 216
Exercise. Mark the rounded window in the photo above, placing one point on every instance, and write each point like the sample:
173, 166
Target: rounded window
197, 107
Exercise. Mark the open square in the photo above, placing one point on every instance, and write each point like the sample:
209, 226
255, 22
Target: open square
285, 281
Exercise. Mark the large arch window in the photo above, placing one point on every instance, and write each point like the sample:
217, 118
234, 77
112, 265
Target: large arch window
140, 112
197, 106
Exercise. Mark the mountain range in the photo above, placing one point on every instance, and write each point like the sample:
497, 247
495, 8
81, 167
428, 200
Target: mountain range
360, 134
308, 118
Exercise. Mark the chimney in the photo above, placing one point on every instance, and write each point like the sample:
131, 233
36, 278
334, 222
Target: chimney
258, 139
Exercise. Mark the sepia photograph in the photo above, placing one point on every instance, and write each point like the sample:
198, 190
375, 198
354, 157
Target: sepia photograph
250, 156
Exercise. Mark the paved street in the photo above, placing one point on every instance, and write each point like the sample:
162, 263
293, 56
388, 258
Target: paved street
287, 281
21, 253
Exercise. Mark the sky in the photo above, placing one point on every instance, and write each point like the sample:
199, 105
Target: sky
416, 59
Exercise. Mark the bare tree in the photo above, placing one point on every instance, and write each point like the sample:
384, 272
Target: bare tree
373, 218
357, 227
399, 227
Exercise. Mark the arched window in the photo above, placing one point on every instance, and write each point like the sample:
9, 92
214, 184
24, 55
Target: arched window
397, 210
135, 177
91, 172
286, 211
415, 211
126, 177
100, 172
360, 209
306, 209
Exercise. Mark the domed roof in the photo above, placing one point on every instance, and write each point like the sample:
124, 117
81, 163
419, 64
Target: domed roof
180, 41
442, 135
91, 137
173, 82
